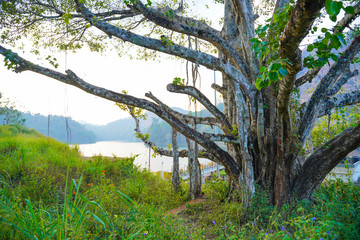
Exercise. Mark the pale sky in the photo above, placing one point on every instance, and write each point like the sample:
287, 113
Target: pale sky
39, 94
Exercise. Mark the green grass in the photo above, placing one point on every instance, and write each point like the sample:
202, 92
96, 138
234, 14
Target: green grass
47, 191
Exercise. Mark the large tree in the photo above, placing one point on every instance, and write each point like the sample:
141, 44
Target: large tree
264, 128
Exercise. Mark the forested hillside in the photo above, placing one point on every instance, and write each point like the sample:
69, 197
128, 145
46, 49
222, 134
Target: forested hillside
57, 128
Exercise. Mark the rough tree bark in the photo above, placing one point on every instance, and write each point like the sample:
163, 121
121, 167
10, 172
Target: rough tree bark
175, 177
264, 143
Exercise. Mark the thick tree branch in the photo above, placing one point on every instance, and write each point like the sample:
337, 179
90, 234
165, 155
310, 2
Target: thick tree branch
188, 119
204, 59
322, 90
203, 100
322, 161
218, 88
244, 19
342, 80
72, 79
301, 18
221, 138
206, 35
340, 100
307, 77
340, 26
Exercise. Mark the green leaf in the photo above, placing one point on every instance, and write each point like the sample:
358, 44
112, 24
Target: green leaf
274, 76
274, 67
98, 219
283, 71
341, 38
334, 57
310, 48
261, 84
276, 18
333, 8
324, 30
262, 69
350, 10
335, 42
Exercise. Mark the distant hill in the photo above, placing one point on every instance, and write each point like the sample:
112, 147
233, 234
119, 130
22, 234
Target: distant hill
57, 127
120, 130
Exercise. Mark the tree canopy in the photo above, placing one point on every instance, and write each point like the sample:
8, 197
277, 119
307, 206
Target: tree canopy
263, 65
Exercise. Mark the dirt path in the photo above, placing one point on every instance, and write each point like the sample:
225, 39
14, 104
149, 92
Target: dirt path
182, 207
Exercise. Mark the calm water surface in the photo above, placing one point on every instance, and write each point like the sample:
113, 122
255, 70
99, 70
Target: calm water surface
126, 149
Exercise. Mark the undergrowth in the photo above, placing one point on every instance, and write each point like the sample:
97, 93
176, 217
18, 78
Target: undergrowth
47, 191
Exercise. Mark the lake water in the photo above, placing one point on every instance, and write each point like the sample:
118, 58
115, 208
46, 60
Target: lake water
126, 149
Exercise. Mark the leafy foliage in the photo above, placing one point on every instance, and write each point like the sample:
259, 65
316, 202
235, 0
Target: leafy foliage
266, 45
340, 120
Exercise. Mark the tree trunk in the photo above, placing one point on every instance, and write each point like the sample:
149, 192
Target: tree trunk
175, 173
194, 170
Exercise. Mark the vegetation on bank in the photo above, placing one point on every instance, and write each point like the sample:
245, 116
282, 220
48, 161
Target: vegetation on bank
47, 191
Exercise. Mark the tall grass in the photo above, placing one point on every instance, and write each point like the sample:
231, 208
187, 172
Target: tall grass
47, 191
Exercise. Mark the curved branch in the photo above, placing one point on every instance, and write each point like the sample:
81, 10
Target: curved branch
308, 77
167, 152
340, 100
206, 35
204, 59
203, 100
322, 90
322, 161
342, 80
72, 79
188, 119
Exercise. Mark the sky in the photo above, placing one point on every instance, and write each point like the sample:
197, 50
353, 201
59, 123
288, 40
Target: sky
38, 94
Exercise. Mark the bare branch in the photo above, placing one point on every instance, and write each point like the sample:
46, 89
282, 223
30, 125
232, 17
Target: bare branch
308, 77
184, 20
340, 100
218, 88
301, 19
203, 100
322, 161
167, 152
342, 80
188, 119
206, 35
221, 138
